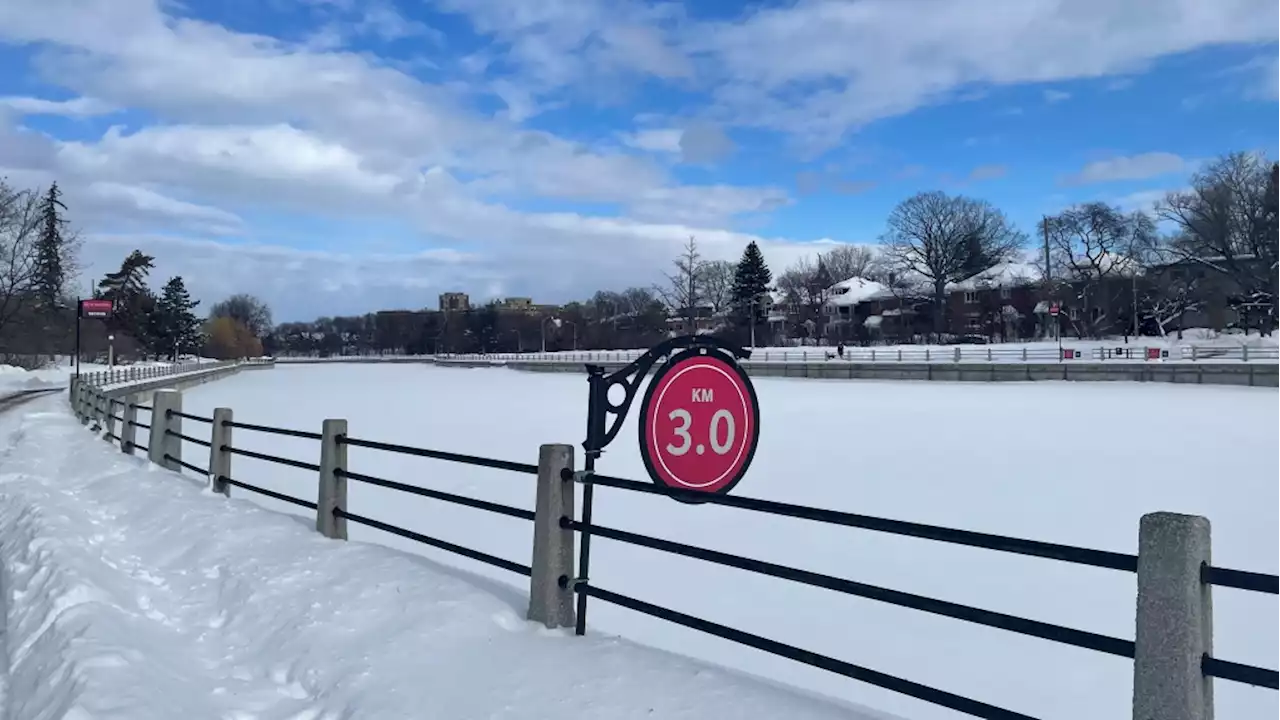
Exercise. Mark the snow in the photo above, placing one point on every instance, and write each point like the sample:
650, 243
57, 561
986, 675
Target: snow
1071, 463
133, 594
855, 290
58, 374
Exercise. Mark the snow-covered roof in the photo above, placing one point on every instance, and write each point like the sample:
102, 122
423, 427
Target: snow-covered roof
1012, 273
854, 290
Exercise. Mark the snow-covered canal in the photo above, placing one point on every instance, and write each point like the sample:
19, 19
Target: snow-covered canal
1063, 462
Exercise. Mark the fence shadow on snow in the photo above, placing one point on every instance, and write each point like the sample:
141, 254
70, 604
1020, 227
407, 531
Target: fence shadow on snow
1173, 665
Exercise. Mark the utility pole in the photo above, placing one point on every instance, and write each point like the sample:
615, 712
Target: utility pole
1048, 273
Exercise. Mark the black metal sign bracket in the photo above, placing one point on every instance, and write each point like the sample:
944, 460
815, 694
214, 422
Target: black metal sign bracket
605, 417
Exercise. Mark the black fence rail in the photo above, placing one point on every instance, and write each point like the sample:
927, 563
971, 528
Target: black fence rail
1172, 600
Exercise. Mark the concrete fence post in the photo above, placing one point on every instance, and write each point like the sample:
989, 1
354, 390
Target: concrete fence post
99, 407
220, 451
82, 402
165, 447
128, 430
109, 419
1174, 620
91, 405
333, 485
553, 556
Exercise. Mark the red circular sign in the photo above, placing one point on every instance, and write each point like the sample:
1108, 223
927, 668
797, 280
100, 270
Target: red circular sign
699, 423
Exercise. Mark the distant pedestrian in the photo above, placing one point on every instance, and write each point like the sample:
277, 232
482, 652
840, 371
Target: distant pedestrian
840, 350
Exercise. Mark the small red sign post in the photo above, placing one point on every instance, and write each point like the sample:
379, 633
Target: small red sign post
1054, 309
699, 423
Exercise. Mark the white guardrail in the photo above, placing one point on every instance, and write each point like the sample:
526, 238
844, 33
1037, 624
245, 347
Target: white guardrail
955, 353
904, 353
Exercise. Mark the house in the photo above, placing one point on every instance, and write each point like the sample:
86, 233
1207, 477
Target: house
999, 303
847, 306
705, 320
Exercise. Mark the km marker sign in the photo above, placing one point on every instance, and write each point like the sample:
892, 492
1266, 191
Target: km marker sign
700, 422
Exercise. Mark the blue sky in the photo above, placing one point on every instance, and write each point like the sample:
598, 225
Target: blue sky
336, 156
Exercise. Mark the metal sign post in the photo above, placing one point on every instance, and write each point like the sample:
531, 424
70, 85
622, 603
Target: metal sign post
700, 398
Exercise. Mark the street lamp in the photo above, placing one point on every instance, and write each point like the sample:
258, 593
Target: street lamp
111, 351
558, 323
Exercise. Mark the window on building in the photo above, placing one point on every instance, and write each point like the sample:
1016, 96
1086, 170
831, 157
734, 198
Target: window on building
970, 297
975, 324
1006, 292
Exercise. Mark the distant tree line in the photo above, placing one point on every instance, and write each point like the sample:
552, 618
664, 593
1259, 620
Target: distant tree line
39, 255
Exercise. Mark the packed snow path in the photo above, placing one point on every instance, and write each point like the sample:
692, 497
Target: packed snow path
131, 592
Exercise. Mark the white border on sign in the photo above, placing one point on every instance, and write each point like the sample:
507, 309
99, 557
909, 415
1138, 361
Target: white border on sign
746, 412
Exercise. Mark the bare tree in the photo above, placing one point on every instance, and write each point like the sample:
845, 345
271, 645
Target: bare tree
850, 261
1228, 224
683, 292
19, 229
944, 239
805, 287
716, 282
1092, 249
1166, 297
247, 310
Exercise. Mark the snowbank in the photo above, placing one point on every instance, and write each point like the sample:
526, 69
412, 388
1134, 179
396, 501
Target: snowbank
131, 593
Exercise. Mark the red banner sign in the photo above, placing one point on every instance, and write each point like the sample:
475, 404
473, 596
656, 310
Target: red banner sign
96, 308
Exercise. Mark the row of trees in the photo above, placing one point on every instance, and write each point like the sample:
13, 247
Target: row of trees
1114, 268
39, 264
145, 323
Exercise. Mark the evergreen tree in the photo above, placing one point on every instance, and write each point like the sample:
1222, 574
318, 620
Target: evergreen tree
50, 272
133, 301
174, 327
751, 281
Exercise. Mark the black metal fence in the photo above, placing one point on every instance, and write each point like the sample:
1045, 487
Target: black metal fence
580, 584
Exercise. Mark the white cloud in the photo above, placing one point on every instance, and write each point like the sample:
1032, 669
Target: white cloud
1141, 200
1056, 96
75, 107
1131, 167
1269, 79
663, 140
705, 143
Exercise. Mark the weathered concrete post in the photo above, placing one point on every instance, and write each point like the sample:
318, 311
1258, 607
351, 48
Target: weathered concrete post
333, 485
165, 447
553, 546
99, 407
220, 451
128, 430
82, 401
1174, 620
109, 419
73, 396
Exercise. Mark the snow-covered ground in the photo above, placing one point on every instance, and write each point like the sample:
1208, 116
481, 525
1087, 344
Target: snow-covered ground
56, 375
132, 594
1071, 463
